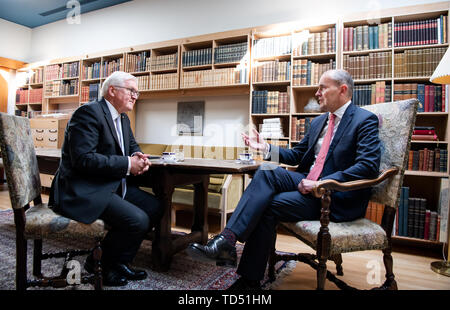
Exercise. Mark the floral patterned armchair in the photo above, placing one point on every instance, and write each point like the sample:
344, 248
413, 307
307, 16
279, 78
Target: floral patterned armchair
396, 123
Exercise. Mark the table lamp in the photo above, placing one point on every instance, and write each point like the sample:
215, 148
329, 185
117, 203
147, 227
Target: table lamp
442, 76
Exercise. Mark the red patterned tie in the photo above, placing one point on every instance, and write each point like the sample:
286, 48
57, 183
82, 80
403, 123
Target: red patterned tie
320, 160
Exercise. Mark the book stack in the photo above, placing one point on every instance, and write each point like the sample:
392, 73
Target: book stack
215, 77
230, 52
272, 71
421, 32
69, 70
38, 76
305, 43
273, 102
306, 72
138, 62
426, 133
91, 72
434, 160
365, 37
276, 46
142, 82
373, 66
271, 128
300, 127
90, 92
198, 57
417, 63
111, 66
52, 72
371, 94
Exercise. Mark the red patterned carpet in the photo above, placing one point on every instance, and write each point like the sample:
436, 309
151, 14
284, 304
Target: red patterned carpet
184, 274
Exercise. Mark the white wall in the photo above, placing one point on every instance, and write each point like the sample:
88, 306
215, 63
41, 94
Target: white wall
225, 119
143, 21
15, 41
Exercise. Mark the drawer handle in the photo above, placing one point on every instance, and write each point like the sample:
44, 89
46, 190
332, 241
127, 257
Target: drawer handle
40, 130
39, 139
51, 140
53, 130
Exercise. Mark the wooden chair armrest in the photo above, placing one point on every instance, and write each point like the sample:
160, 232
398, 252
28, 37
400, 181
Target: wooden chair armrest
325, 185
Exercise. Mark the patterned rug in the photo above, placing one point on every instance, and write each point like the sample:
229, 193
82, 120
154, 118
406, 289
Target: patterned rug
184, 274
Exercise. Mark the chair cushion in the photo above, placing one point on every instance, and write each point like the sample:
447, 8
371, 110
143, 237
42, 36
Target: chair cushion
42, 222
358, 235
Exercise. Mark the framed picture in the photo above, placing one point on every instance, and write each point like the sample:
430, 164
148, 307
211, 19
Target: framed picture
190, 118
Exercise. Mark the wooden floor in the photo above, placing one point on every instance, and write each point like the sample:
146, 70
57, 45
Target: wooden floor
361, 269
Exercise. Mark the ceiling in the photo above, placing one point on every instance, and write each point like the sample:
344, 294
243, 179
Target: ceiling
34, 13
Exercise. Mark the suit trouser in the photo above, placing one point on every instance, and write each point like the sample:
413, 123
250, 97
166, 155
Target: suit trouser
131, 219
272, 196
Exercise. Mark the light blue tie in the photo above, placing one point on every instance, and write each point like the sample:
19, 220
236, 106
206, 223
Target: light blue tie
120, 136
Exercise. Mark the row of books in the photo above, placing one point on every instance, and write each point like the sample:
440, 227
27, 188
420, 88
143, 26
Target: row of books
275, 46
61, 71
306, 72
371, 94
142, 82
365, 37
271, 102
163, 81
414, 220
421, 62
164, 62
198, 57
61, 88
24, 96
110, 66
37, 77
90, 92
215, 77
138, 62
91, 72
421, 32
272, 71
305, 43
271, 128
428, 159
433, 98
373, 66
300, 127
230, 52
374, 212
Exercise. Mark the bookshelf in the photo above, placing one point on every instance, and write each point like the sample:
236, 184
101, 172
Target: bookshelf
279, 71
29, 97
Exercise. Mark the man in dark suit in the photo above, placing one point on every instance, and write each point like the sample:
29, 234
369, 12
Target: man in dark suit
99, 155
342, 144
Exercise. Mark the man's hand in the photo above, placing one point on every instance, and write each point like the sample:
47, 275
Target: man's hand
139, 163
305, 186
254, 141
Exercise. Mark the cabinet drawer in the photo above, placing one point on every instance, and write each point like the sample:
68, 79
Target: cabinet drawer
46, 180
38, 137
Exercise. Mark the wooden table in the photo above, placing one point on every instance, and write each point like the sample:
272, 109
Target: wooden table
164, 177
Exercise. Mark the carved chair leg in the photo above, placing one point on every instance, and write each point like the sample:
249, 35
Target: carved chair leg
37, 258
323, 240
337, 259
390, 283
97, 255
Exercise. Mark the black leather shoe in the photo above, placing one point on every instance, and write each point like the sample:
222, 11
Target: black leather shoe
244, 284
217, 250
112, 277
129, 273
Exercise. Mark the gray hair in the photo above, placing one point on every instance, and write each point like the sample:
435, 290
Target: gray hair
117, 78
342, 77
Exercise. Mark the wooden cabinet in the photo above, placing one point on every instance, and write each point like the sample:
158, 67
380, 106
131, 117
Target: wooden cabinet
48, 133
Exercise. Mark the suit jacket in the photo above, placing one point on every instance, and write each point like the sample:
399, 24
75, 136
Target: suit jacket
354, 154
92, 164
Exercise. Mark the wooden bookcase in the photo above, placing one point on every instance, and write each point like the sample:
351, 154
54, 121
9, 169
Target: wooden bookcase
29, 97
260, 62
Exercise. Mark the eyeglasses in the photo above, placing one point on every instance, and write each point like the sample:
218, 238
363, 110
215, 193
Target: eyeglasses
132, 92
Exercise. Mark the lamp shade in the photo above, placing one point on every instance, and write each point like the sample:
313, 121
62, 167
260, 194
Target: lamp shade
442, 73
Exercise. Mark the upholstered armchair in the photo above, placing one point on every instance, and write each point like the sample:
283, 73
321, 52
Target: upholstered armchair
330, 240
37, 221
